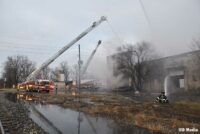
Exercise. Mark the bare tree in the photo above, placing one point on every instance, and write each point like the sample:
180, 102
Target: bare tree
44, 74
16, 69
1, 83
65, 70
75, 72
195, 44
131, 62
54, 74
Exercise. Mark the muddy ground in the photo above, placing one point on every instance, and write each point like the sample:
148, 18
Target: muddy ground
126, 109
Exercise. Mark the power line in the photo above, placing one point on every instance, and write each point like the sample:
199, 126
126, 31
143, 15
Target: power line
145, 13
37, 48
148, 20
115, 33
23, 49
27, 45
30, 52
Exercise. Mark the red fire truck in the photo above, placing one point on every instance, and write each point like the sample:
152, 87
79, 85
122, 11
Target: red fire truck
38, 85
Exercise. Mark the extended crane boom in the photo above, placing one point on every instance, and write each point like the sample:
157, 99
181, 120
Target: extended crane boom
90, 58
45, 64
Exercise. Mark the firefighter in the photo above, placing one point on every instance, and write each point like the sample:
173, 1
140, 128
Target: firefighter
162, 98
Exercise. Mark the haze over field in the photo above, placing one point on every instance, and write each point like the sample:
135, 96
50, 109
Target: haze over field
48, 25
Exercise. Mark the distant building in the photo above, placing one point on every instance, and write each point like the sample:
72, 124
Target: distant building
61, 77
171, 74
57, 76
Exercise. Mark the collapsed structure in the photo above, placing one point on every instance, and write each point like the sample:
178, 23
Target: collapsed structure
178, 73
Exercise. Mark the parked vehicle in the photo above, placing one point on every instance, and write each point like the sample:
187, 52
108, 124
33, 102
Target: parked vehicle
38, 85
21, 86
44, 85
30, 85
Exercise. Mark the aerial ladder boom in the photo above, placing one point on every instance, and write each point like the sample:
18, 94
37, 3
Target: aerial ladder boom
49, 61
90, 58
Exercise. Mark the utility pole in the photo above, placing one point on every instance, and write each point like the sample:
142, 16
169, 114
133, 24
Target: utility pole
79, 83
4, 82
79, 122
79, 67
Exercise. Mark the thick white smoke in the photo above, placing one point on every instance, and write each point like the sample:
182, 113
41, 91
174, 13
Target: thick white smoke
101, 69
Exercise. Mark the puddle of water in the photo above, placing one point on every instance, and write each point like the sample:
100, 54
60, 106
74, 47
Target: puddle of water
55, 119
42, 123
15, 97
11, 96
73, 122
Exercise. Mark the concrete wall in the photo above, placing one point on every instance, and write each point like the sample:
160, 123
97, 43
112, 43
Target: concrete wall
180, 69
174, 71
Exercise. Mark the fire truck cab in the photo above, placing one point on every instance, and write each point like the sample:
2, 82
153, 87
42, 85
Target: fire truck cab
21, 86
44, 85
30, 85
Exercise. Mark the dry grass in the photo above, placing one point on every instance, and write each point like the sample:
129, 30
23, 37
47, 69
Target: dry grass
8, 90
146, 115
188, 106
165, 125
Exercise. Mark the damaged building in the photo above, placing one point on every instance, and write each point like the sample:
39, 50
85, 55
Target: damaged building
178, 73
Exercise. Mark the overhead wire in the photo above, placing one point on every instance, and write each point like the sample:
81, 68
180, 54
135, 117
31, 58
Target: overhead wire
33, 46
147, 18
145, 12
36, 48
115, 33
45, 53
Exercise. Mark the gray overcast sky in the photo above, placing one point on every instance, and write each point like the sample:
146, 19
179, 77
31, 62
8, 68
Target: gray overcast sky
39, 28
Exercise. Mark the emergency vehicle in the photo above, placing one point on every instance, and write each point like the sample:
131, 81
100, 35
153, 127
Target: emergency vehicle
38, 85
